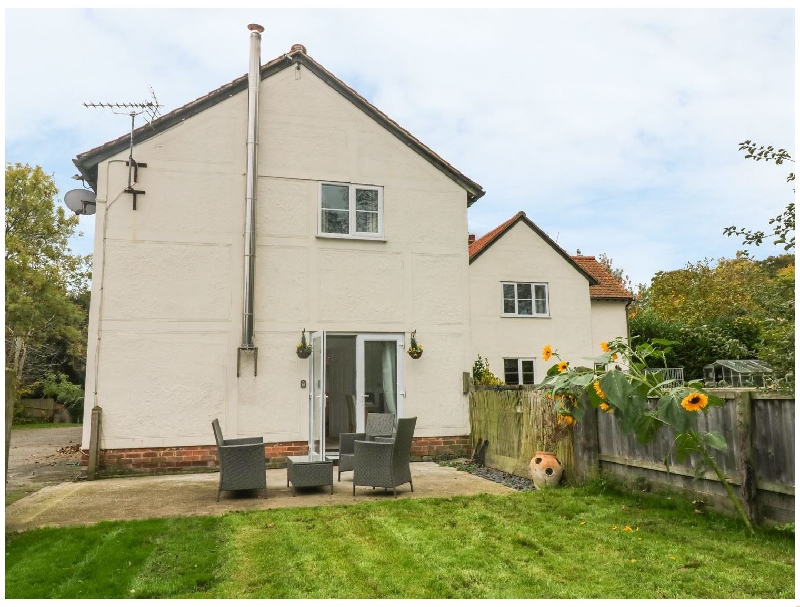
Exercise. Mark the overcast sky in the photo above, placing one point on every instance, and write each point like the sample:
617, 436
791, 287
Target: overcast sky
616, 131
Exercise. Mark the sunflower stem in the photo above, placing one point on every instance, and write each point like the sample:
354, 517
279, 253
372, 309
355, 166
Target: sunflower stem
728, 489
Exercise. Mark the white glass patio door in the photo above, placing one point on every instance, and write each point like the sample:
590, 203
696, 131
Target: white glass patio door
316, 395
379, 375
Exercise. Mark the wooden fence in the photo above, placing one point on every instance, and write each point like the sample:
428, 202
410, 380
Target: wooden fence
759, 462
38, 408
507, 418
758, 427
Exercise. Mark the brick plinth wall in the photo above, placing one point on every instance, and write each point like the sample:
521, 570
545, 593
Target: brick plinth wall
440, 446
169, 460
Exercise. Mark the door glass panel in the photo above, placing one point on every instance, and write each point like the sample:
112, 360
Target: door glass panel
340, 380
380, 377
316, 422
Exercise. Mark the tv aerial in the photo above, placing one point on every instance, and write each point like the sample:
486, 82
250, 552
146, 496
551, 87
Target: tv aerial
132, 109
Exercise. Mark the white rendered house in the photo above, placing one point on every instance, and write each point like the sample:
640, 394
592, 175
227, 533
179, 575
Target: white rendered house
255, 212
527, 292
282, 202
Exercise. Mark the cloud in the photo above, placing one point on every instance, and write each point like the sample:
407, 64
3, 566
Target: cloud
615, 129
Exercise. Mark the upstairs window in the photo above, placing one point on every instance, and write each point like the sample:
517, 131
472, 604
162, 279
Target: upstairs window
518, 371
525, 299
347, 210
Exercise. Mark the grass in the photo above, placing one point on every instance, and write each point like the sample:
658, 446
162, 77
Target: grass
566, 543
13, 495
39, 425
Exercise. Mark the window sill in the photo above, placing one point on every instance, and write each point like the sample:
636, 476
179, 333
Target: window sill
524, 316
349, 237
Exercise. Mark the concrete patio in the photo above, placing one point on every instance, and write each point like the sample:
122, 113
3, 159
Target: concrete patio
82, 503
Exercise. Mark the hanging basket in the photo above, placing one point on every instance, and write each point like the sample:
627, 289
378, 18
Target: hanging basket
414, 349
303, 348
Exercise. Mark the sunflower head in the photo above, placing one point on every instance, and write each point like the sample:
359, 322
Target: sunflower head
604, 346
562, 366
599, 391
695, 401
547, 352
606, 407
567, 420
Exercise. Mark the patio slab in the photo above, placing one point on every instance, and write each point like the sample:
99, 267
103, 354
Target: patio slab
132, 498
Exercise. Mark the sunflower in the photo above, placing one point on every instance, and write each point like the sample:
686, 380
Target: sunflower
695, 401
604, 346
567, 419
562, 366
613, 357
599, 391
547, 352
606, 407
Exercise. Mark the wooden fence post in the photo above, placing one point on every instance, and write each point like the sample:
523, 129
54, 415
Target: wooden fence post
94, 445
747, 454
11, 394
586, 445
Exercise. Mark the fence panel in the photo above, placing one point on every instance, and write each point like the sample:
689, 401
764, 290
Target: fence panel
772, 423
509, 419
38, 408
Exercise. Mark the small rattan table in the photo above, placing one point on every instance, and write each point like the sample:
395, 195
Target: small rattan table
309, 471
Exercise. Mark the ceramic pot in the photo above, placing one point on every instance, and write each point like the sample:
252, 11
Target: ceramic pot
546, 470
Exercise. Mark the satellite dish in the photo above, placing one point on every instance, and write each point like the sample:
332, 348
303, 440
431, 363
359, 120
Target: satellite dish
81, 202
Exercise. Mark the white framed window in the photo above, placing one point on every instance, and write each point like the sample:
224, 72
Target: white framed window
525, 299
348, 210
518, 371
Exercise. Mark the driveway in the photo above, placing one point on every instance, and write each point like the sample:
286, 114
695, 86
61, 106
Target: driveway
41, 457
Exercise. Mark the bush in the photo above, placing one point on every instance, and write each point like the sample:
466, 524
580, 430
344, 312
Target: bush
59, 388
483, 375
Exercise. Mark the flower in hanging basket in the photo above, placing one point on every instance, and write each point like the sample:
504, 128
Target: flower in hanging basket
303, 348
415, 349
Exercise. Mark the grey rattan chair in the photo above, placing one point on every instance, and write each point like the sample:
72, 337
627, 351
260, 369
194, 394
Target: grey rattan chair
241, 462
378, 424
385, 462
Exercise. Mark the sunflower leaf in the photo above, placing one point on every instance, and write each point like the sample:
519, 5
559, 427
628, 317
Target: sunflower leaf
715, 441
616, 387
646, 428
685, 445
700, 471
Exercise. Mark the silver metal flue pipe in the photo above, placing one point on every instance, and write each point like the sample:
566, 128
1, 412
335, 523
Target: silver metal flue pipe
251, 179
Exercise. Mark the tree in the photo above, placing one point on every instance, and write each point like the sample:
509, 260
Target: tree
704, 292
783, 224
738, 308
45, 280
618, 273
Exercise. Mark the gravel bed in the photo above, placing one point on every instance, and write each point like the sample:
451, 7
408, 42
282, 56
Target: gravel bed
517, 483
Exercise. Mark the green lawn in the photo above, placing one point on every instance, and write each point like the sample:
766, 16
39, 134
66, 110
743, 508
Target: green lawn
566, 543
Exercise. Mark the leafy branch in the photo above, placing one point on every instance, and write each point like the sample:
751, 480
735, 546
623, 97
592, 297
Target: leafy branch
783, 224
